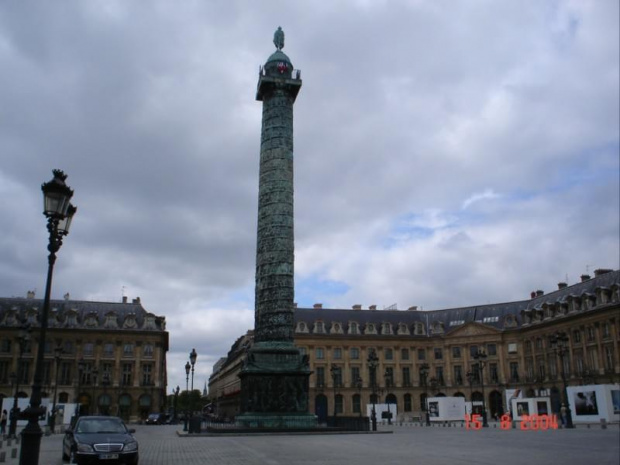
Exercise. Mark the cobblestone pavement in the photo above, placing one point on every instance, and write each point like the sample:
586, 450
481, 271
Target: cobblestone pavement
160, 445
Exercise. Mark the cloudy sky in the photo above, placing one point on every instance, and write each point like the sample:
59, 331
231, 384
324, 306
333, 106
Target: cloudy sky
447, 153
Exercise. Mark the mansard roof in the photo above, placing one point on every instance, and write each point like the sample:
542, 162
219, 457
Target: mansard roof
80, 314
501, 316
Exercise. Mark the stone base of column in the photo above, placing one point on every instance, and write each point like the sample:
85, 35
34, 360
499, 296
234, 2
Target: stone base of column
274, 388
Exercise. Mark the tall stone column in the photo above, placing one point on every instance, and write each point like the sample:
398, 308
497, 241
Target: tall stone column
274, 378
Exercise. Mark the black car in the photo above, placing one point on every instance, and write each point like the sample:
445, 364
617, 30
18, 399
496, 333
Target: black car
155, 419
95, 439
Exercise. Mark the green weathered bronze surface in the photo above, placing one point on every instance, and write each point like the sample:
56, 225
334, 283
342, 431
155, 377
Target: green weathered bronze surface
274, 377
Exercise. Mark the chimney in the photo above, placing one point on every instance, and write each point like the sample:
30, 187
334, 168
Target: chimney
357, 307
372, 307
585, 277
562, 285
539, 293
124, 299
532, 294
413, 308
601, 271
318, 305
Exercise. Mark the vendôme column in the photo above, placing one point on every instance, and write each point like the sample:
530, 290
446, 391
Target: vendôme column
274, 378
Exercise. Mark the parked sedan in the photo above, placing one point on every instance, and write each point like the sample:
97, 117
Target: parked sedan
95, 439
156, 419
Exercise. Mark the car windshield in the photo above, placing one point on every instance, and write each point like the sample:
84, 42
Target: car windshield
100, 426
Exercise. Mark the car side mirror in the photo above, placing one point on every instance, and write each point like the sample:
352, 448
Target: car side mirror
69, 430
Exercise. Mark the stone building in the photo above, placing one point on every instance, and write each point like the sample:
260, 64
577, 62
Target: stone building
514, 336
108, 357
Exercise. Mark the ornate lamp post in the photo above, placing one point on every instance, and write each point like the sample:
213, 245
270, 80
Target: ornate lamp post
335, 372
188, 367
388, 384
373, 362
23, 339
81, 366
176, 397
424, 370
470, 379
481, 358
358, 385
192, 358
57, 357
95, 373
59, 212
559, 345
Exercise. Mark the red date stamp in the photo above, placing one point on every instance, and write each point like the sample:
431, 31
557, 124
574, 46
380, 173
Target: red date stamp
528, 422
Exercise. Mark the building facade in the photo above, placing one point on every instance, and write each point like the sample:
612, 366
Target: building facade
514, 336
108, 357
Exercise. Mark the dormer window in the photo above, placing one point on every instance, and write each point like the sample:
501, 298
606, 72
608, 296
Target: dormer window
419, 329
110, 320
402, 329
302, 327
336, 328
319, 327
370, 329
72, 318
91, 320
149, 322
130, 321
437, 327
386, 329
354, 327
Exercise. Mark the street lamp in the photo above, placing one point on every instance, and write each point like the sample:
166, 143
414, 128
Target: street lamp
358, 385
81, 367
57, 357
373, 362
336, 373
470, 379
192, 358
388, 383
95, 373
480, 356
23, 339
59, 212
424, 370
559, 345
176, 396
188, 367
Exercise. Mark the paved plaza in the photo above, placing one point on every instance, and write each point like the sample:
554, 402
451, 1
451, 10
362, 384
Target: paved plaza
160, 445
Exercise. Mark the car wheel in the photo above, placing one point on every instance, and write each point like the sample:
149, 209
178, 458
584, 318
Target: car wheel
65, 457
73, 459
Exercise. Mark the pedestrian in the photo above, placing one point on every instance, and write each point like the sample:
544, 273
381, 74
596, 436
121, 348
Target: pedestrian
563, 412
3, 422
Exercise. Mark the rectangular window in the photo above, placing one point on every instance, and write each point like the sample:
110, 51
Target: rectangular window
4, 372
609, 358
336, 374
590, 333
473, 350
47, 374
319, 353
320, 376
128, 350
85, 373
458, 375
407, 402
108, 350
68, 347
89, 349
65, 373
404, 354
406, 377
357, 403
147, 374
606, 331
355, 376
456, 352
127, 374
24, 371
541, 370
302, 351
389, 354
512, 348
5, 346
438, 353
106, 373
337, 353
389, 377
355, 353
421, 354
491, 349
514, 371
493, 373
439, 375
148, 350
339, 403
576, 336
